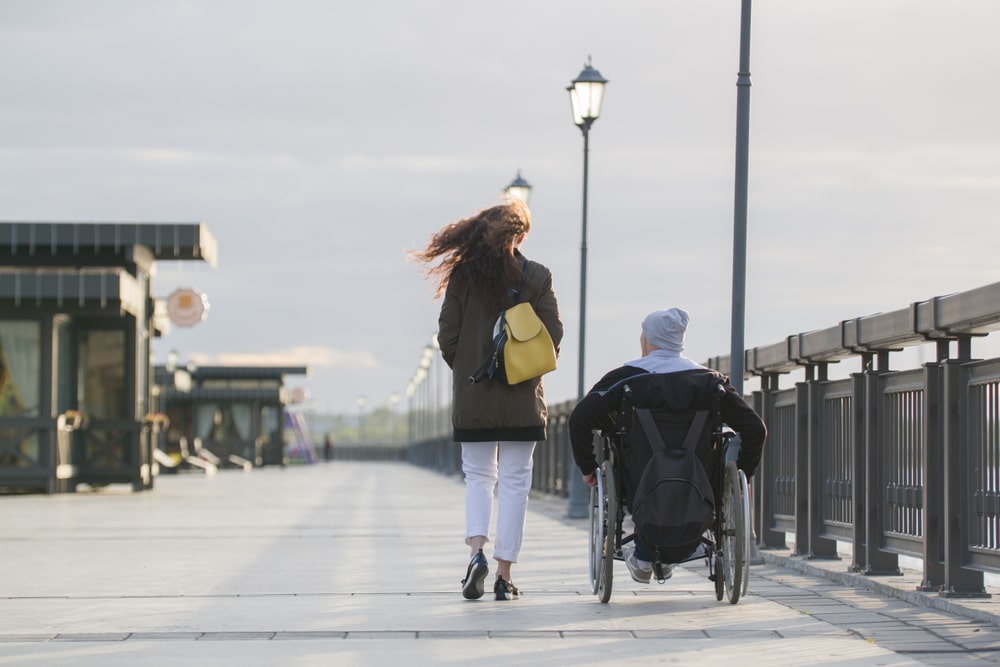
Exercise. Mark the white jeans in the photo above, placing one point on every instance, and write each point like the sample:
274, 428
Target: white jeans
486, 464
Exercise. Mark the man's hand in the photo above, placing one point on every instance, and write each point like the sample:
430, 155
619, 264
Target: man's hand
591, 479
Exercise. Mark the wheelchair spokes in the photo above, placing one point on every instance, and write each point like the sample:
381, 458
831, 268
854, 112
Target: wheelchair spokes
603, 531
734, 537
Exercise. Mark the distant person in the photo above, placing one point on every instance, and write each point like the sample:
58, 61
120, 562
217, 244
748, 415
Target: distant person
496, 423
669, 382
327, 448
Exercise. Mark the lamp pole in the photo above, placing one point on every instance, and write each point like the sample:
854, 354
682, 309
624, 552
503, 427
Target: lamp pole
362, 401
393, 401
429, 418
411, 388
586, 96
518, 189
740, 206
737, 346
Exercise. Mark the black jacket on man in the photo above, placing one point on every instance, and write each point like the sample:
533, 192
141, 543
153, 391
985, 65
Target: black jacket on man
680, 393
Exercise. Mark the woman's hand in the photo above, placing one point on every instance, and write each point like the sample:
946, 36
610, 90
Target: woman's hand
591, 479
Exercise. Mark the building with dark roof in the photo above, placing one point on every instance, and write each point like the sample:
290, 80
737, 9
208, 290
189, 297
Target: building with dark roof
77, 316
231, 415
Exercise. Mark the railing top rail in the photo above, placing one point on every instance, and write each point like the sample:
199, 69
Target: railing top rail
974, 312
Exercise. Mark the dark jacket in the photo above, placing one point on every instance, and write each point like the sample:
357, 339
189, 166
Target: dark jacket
493, 410
683, 392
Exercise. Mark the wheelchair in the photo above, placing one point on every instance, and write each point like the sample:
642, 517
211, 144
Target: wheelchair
725, 546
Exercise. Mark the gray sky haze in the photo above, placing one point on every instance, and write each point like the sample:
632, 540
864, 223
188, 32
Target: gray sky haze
320, 141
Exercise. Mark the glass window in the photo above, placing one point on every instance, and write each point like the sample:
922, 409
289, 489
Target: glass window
101, 373
20, 346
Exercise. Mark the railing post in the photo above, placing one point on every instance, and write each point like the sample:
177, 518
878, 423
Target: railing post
567, 466
933, 481
859, 421
569, 469
801, 469
877, 562
958, 581
819, 547
764, 479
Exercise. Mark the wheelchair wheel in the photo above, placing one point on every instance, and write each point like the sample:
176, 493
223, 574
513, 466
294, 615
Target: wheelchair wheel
720, 576
745, 491
603, 521
597, 531
610, 528
734, 537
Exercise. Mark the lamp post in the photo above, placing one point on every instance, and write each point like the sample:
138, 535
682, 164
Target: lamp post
362, 401
736, 348
518, 189
586, 96
393, 401
411, 389
429, 421
740, 203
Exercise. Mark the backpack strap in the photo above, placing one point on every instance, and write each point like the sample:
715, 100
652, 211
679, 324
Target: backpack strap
519, 293
653, 433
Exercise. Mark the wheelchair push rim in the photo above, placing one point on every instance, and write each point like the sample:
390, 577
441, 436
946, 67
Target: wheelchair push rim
745, 490
597, 533
603, 526
734, 538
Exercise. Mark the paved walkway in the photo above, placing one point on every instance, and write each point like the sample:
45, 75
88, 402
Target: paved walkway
359, 564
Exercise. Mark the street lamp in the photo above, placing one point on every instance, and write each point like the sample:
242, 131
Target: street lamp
411, 389
393, 401
586, 96
362, 401
518, 189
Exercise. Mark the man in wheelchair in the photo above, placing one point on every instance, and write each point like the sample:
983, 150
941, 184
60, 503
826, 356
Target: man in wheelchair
673, 387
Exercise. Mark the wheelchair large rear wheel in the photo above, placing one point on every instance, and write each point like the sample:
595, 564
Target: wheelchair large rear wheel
597, 531
734, 534
610, 530
603, 522
718, 576
745, 489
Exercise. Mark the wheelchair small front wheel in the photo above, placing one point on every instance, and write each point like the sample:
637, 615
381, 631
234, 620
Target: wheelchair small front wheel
718, 575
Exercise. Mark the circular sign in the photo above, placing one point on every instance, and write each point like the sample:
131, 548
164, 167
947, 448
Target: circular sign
186, 307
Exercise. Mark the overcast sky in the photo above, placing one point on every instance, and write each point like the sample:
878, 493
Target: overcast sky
319, 141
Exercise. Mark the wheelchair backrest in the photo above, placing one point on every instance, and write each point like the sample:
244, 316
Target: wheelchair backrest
673, 402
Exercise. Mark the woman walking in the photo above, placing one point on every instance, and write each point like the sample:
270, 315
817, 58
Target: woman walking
480, 270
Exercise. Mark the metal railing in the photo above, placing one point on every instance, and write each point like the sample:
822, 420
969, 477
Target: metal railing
893, 463
57, 454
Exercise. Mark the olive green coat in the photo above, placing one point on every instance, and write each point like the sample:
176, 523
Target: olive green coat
493, 410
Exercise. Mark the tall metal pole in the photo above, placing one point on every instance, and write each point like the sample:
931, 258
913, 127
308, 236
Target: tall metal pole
736, 350
586, 96
583, 263
740, 208
579, 494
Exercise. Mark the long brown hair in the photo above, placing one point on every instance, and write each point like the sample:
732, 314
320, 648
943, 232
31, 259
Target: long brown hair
480, 250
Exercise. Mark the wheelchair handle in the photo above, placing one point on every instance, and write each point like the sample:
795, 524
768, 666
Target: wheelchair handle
623, 409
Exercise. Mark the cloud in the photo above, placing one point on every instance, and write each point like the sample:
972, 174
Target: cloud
302, 355
319, 141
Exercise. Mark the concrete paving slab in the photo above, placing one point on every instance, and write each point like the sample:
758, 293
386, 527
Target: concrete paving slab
353, 563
